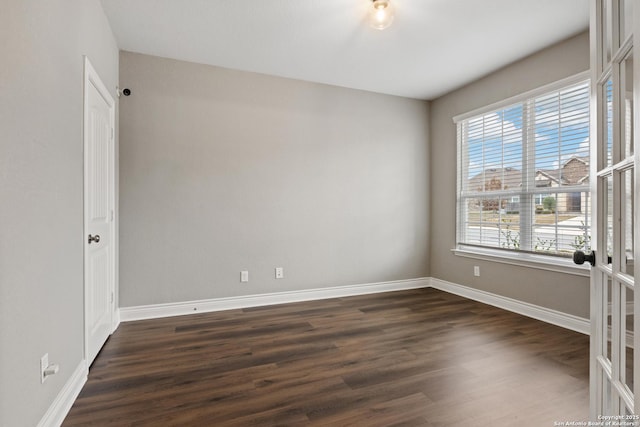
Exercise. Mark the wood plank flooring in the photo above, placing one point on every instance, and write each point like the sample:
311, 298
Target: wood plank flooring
409, 358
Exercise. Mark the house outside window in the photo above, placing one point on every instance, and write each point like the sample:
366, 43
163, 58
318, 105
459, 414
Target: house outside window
523, 172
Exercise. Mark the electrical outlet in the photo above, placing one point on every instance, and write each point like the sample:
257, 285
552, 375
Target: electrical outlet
244, 276
44, 363
279, 273
476, 270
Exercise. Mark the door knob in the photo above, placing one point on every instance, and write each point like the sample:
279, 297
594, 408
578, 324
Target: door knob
580, 257
94, 239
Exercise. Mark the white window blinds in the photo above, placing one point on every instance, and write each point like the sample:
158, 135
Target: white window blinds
523, 174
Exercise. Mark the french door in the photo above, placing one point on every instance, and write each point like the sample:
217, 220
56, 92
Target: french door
614, 91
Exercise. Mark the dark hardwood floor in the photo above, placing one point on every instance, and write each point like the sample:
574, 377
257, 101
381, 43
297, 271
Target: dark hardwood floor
410, 358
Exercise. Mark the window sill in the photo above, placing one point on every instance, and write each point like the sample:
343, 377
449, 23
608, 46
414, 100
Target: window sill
542, 262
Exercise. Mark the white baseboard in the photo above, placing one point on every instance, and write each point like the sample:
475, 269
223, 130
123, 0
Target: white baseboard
60, 407
230, 303
558, 318
155, 311
115, 321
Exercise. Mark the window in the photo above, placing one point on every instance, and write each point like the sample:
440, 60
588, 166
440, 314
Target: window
523, 173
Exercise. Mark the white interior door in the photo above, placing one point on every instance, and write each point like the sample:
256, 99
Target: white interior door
99, 117
614, 366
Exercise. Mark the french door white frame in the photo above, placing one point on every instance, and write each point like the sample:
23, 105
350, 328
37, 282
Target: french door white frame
610, 388
636, 218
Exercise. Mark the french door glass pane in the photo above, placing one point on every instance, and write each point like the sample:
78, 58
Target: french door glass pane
607, 98
626, 118
609, 215
627, 193
606, 309
607, 39
627, 315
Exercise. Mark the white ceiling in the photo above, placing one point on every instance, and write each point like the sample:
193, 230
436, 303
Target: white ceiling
433, 46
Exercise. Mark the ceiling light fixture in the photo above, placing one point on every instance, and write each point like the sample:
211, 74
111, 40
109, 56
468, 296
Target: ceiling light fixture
381, 14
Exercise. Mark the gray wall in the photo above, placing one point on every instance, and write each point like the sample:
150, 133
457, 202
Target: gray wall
41, 178
223, 171
558, 291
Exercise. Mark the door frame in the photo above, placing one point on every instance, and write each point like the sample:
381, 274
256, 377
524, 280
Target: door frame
91, 77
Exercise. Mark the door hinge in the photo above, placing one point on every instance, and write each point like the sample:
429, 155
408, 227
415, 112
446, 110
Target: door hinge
112, 133
111, 297
113, 215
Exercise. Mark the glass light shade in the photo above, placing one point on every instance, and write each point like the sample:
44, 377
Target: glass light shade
381, 14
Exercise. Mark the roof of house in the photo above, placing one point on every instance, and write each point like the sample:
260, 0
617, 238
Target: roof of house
510, 178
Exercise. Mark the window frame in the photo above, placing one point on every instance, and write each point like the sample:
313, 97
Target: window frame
521, 258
